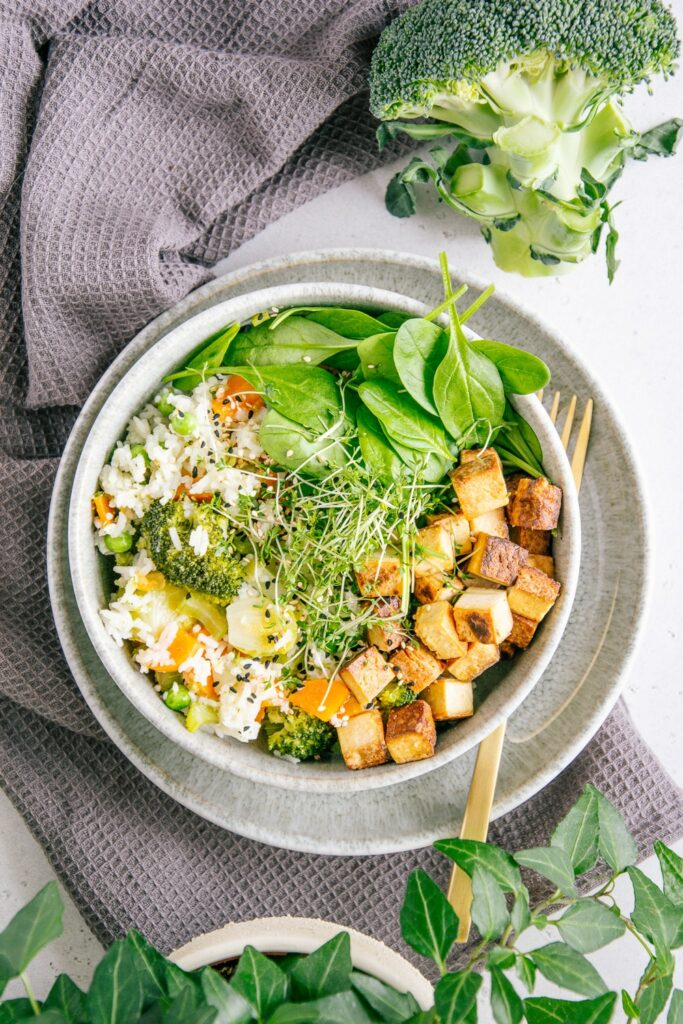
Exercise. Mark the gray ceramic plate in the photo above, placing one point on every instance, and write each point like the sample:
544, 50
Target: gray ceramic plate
132, 381
545, 733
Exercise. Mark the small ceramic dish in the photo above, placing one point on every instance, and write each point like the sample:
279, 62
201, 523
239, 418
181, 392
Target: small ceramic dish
498, 692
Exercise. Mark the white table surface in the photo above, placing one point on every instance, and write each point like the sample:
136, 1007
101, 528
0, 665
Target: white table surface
630, 334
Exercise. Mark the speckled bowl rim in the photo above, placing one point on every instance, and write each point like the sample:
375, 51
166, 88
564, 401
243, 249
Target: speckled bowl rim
125, 395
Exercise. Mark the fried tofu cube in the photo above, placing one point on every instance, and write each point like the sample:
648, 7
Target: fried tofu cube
411, 734
435, 549
536, 542
436, 586
507, 649
546, 563
535, 504
387, 636
450, 699
512, 482
381, 576
494, 523
522, 631
415, 665
476, 660
496, 559
362, 741
367, 674
459, 528
483, 616
435, 626
479, 484
533, 594
468, 454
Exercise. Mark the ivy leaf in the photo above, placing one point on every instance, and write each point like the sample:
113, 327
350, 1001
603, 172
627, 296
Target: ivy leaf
675, 1015
653, 999
260, 982
151, 966
628, 1006
564, 966
32, 928
526, 972
552, 863
325, 972
341, 1008
654, 915
428, 922
542, 1010
19, 1010
231, 1006
115, 994
520, 916
455, 995
489, 909
66, 997
578, 833
589, 925
501, 956
616, 844
392, 1006
468, 853
506, 1006
672, 873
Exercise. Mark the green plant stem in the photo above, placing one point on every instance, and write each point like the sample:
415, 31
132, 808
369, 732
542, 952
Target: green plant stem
477, 304
443, 306
29, 992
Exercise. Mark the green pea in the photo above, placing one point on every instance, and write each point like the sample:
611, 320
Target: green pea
183, 423
139, 449
119, 544
163, 404
178, 697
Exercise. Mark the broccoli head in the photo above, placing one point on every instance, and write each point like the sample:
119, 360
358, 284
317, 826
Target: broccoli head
296, 734
173, 539
526, 90
396, 695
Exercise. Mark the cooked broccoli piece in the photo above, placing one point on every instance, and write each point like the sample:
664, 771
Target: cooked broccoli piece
296, 734
218, 573
396, 695
527, 90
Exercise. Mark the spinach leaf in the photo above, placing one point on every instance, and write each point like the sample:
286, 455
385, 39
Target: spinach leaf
393, 319
403, 420
518, 445
296, 340
376, 356
377, 453
430, 468
467, 390
419, 348
350, 323
306, 394
521, 372
293, 447
205, 360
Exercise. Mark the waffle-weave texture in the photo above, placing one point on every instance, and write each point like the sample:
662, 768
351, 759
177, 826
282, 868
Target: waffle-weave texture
142, 141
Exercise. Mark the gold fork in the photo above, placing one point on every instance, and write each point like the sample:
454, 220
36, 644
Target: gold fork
475, 822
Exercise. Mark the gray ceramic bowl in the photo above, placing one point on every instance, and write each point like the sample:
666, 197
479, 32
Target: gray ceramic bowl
499, 691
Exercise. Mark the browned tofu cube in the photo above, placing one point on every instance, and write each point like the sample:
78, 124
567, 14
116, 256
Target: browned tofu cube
507, 649
381, 576
536, 542
496, 559
468, 454
435, 550
522, 631
476, 660
533, 594
436, 586
494, 523
535, 504
411, 734
362, 740
512, 482
450, 699
483, 616
386, 636
479, 484
435, 626
415, 665
458, 527
367, 674
546, 563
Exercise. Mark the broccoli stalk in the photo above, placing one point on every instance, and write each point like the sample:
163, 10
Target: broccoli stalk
528, 92
296, 734
396, 695
167, 529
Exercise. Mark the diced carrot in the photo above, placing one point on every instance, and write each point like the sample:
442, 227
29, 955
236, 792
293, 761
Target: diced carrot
104, 510
151, 581
321, 698
206, 689
236, 393
182, 647
183, 492
351, 708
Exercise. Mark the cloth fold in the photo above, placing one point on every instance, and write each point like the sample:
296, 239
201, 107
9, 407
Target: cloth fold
143, 141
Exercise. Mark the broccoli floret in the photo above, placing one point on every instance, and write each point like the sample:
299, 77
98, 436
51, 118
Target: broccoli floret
216, 574
296, 734
526, 89
396, 695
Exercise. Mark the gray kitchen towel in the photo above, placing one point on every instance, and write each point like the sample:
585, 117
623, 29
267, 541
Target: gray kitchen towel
142, 141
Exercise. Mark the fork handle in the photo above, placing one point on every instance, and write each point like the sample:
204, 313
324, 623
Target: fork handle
475, 822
